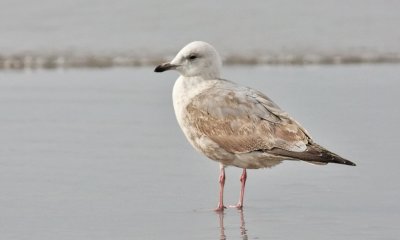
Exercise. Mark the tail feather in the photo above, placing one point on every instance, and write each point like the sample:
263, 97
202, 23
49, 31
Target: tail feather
314, 154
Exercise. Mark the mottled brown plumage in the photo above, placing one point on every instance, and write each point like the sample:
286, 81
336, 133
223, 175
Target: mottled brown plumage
241, 120
235, 125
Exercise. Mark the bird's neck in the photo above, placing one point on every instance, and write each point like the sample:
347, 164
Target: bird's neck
186, 88
210, 74
190, 84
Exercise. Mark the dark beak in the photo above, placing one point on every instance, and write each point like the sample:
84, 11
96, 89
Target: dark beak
164, 67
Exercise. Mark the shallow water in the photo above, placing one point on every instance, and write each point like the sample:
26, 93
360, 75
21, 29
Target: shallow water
97, 154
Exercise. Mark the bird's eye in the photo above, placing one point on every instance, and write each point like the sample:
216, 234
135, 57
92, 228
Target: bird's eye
192, 57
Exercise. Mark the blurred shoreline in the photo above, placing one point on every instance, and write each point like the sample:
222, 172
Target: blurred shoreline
51, 34
70, 60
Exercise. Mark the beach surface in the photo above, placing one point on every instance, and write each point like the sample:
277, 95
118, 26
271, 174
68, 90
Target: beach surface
97, 154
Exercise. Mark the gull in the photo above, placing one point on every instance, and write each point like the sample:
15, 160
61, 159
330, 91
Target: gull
232, 124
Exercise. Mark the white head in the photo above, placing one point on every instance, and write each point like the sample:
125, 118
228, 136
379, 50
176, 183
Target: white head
197, 59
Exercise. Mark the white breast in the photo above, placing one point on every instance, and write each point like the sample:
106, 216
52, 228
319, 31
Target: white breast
184, 90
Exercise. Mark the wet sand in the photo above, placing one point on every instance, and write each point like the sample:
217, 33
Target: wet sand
97, 154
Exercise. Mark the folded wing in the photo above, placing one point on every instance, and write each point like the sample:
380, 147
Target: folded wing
242, 120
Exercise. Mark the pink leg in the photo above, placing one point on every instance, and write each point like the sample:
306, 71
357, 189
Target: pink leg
243, 181
221, 206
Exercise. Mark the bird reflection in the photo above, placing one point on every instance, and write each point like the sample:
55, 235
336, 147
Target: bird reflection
222, 235
243, 230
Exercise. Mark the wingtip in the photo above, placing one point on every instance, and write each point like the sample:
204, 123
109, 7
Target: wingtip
347, 162
334, 158
352, 164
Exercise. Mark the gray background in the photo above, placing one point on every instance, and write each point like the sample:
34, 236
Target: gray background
97, 153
